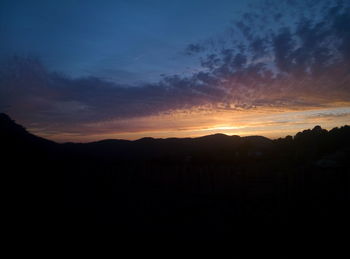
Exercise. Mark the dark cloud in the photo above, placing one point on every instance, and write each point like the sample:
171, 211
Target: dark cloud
194, 48
259, 47
29, 90
302, 53
283, 46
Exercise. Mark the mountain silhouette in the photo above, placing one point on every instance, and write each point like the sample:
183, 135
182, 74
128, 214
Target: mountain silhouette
198, 187
14, 134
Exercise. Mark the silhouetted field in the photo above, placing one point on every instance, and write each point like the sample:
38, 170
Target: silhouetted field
210, 185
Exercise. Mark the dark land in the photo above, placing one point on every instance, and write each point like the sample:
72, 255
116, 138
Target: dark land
204, 186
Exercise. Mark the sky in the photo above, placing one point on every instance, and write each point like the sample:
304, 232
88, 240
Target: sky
89, 70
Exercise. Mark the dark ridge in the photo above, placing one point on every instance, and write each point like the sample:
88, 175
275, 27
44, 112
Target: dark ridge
9, 126
190, 188
11, 132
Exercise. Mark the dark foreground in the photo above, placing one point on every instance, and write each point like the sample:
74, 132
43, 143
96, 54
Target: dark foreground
206, 186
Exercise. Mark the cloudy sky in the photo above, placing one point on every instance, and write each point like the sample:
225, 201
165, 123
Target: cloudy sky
75, 70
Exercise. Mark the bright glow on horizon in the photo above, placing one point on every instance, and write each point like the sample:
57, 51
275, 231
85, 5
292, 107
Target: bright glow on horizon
222, 128
268, 122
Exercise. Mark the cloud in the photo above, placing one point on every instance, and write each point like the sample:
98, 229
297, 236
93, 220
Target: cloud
194, 48
305, 54
330, 115
29, 90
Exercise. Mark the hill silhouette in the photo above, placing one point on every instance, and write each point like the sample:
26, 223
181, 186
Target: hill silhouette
193, 186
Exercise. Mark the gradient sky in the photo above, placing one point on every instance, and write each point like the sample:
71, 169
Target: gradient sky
88, 70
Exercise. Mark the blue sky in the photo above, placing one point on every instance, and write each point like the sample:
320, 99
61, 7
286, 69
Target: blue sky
124, 41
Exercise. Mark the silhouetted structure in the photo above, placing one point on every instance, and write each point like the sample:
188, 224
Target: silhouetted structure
200, 186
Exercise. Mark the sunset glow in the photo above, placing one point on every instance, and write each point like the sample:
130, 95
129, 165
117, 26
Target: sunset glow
272, 123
